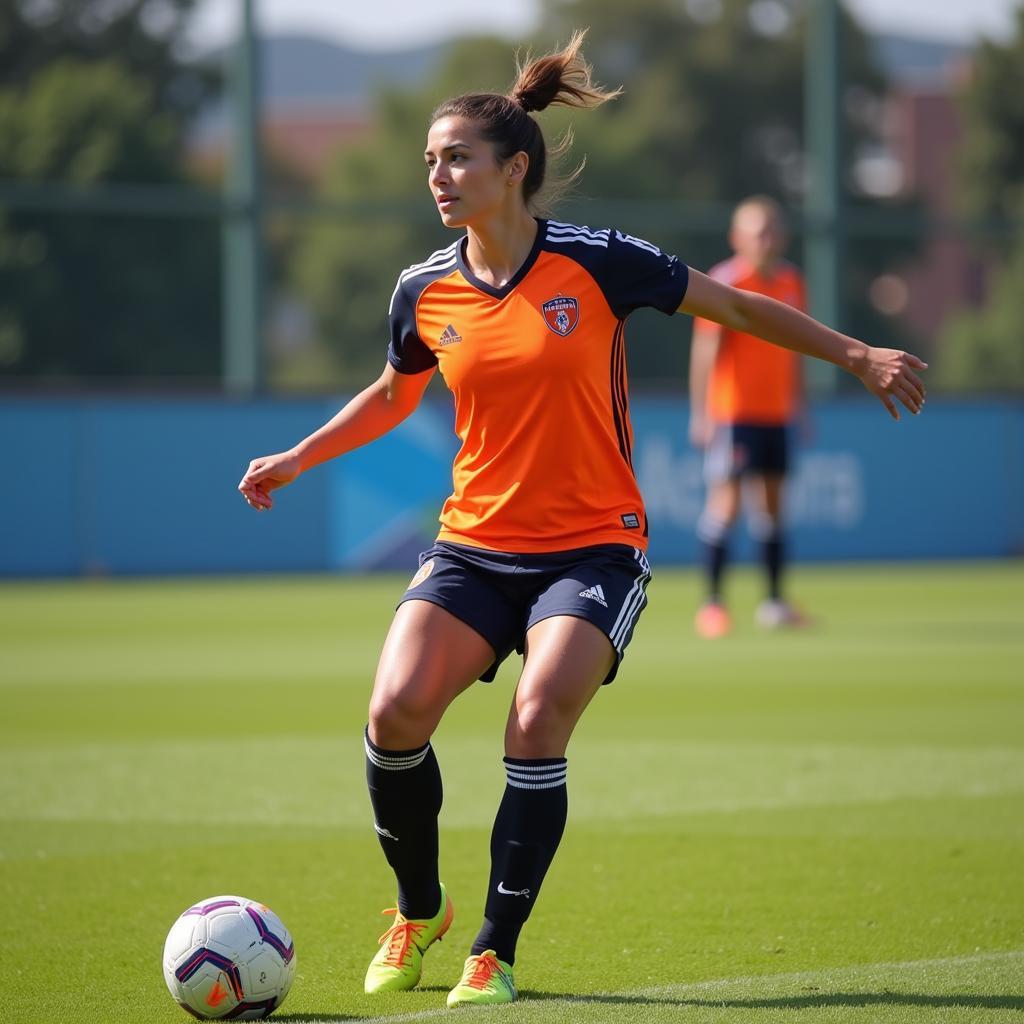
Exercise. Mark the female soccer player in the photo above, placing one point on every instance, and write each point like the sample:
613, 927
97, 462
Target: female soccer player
542, 540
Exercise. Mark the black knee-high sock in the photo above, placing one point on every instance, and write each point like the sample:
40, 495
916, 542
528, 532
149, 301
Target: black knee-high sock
526, 834
773, 553
716, 555
405, 791
714, 533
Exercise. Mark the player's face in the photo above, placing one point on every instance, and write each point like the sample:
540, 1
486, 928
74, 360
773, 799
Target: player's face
467, 182
758, 236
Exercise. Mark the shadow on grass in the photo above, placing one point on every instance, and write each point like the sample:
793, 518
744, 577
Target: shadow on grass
810, 1001
330, 1016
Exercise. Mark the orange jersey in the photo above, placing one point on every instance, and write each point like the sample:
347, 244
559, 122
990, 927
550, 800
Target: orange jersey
753, 381
537, 369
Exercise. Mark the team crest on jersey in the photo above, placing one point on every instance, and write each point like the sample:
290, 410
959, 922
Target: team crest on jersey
561, 314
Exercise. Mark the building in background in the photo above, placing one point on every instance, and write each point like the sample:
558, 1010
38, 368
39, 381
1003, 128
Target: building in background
920, 127
924, 129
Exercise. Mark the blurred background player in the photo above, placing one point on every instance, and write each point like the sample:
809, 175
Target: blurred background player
744, 395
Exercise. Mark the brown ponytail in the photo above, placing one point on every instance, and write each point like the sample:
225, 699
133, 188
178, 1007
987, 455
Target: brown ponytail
563, 77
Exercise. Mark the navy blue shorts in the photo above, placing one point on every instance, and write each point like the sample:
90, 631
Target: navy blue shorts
739, 449
502, 595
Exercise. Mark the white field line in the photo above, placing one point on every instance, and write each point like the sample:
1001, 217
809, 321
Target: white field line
831, 975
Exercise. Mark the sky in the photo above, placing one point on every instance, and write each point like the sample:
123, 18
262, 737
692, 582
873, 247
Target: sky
399, 24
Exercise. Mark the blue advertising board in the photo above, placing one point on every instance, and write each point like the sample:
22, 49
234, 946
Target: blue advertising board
148, 486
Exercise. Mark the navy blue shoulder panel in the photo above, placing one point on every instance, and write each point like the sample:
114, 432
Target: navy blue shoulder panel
631, 272
407, 352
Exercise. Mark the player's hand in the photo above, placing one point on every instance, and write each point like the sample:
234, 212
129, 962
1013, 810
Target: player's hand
701, 430
889, 374
266, 474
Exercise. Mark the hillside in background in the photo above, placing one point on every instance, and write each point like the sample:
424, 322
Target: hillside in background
304, 70
300, 70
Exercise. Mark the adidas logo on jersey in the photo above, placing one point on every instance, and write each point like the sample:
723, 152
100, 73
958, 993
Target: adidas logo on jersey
595, 594
450, 336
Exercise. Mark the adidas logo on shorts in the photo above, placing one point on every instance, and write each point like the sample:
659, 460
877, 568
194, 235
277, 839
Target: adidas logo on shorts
595, 594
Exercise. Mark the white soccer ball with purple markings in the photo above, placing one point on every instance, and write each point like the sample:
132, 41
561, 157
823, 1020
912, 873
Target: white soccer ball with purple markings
229, 958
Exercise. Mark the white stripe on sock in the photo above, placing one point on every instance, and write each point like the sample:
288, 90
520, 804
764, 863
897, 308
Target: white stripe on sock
536, 776
536, 785
395, 764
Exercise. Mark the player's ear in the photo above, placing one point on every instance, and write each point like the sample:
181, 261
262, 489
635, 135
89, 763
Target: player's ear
516, 167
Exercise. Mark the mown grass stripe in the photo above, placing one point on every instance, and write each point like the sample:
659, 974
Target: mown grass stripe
769, 983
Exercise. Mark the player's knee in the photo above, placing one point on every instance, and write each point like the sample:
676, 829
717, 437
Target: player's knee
765, 527
712, 528
540, 729
401, 721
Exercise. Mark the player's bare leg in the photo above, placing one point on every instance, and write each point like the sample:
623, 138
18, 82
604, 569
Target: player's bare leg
567, 660
429, 658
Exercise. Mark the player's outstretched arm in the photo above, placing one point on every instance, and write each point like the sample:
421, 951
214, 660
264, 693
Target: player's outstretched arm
371, 414
887, 373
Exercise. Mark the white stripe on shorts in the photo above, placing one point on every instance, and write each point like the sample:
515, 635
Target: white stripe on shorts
634, 604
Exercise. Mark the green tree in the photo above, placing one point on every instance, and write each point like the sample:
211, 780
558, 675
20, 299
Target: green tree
94, 94
82, 294
991, 162
145, 38
981, 349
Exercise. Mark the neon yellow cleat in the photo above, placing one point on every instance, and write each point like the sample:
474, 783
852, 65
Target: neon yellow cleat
399, 961
485, 979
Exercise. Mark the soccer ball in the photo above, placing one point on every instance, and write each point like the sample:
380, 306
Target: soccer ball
229, 958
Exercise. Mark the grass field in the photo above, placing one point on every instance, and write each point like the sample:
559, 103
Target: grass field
817, 827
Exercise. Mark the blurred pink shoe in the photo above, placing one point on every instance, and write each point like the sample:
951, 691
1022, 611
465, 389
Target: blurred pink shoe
776, 614
712, 621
